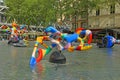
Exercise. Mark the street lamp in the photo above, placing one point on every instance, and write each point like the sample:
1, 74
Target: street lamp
75, 20
75, 14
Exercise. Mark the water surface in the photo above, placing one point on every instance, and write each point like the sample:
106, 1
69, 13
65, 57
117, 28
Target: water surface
94, 64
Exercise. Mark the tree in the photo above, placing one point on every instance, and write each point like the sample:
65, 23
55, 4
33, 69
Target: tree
31, 12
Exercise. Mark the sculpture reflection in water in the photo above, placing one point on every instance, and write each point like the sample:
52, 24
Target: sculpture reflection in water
38, 71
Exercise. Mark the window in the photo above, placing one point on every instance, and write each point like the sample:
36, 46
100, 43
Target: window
97, 12
112, 9
84, 24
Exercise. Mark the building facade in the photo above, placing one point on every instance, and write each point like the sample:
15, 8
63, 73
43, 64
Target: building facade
107, 17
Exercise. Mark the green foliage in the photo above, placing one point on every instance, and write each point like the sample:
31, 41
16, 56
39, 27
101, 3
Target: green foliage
31, 12
36, 12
